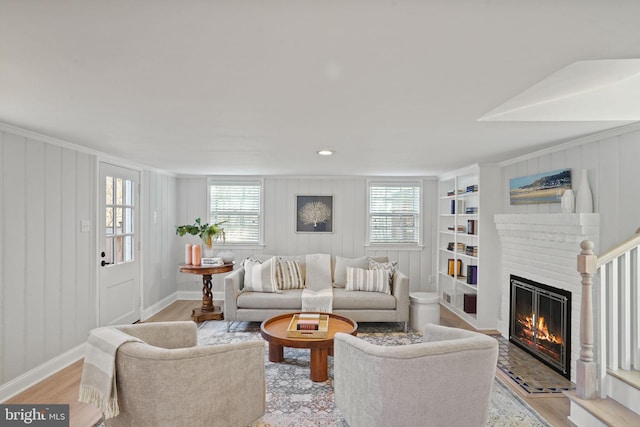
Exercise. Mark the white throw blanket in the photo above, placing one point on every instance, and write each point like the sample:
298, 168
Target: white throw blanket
98, 383
318, 292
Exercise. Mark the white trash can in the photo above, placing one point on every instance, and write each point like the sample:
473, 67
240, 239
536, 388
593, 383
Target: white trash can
424, 309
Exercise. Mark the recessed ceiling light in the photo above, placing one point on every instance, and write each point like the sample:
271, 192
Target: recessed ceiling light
325, 152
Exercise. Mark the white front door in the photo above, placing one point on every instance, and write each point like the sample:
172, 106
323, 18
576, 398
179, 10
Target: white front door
119, 257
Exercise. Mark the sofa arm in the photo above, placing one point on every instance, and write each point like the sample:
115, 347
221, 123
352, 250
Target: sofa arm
169, 335
233, 285
400, 290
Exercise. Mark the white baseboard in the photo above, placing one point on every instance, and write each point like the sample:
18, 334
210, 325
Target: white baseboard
39, 373
158, 307
193, 295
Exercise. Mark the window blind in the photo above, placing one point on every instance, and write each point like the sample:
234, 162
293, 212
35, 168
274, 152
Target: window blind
394, 213
238, 204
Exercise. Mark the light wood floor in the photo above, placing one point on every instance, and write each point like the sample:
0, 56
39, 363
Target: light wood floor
62, 387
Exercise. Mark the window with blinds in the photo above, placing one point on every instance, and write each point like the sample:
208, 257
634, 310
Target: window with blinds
239, 205
394, 212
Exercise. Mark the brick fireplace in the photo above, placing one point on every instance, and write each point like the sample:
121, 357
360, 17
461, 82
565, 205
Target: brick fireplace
542, 248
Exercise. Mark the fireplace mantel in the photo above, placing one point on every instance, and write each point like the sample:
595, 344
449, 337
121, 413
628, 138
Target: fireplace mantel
544, 248
550, 227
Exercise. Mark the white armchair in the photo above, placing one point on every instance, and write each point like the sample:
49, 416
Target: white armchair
170, 381
444, 381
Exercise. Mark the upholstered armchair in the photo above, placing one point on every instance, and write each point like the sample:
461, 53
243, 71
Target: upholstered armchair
170, 381
444, 381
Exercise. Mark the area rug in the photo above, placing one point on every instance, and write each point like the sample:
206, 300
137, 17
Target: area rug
293, 400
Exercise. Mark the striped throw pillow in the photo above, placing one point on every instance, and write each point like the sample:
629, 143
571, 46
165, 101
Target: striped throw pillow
289, 275
389, 267
359, 279
260, 276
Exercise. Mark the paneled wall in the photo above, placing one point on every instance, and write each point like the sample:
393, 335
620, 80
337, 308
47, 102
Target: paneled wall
612, 164
158, 237
47, 273
280, 238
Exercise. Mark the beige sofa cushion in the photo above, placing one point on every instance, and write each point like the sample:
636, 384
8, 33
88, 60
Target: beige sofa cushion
362, 300
287, 299
340, 272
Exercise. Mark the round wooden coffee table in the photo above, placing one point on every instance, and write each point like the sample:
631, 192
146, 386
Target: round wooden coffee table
274, 331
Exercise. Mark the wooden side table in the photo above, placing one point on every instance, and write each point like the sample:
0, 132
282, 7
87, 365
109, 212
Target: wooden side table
207, 311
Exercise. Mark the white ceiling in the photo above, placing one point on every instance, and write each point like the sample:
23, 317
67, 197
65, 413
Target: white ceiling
257, 87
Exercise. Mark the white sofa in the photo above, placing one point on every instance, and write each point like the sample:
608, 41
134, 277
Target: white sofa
361, 306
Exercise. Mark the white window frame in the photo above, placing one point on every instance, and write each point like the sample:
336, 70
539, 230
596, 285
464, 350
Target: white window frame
239, 181
420, 220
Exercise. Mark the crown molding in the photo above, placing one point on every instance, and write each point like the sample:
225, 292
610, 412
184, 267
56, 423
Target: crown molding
102, 156
587, 139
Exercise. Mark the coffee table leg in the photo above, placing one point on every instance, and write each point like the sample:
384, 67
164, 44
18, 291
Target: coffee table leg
276, 353
319, 369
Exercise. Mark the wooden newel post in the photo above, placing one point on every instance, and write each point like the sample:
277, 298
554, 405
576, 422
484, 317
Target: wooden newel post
586, 373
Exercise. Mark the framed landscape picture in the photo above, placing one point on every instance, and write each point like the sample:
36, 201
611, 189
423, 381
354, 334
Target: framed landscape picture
314, 214
547, 187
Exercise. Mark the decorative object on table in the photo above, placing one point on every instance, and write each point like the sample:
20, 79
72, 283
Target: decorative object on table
209, 233
227, 257
584, 198
314, 214
196, 257
217, 261
544, 187
187, 253
567, 201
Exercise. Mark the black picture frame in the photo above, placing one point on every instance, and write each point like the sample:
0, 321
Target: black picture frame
310, 208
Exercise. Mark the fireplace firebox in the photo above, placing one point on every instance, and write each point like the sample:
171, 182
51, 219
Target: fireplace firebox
540, 322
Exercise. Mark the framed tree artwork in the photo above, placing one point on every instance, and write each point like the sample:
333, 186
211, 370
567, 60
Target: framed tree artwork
314, 214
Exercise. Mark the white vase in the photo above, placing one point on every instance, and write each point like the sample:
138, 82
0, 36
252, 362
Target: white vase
584, 198
207, 251
567, 201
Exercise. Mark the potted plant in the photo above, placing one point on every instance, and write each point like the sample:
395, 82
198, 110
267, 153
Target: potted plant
209, 233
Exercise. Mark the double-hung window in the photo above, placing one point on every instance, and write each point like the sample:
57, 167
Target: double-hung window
239, 204
394, 212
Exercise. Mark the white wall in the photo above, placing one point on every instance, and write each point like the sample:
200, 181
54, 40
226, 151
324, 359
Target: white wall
158, 239
48, 281
47, 273
280, 238
613, 166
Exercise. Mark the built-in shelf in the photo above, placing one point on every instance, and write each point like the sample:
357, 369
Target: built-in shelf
454, 289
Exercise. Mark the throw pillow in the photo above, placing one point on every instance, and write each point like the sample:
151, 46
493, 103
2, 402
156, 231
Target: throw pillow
359, 279
260, 276
340, 271
289, 274
389, 267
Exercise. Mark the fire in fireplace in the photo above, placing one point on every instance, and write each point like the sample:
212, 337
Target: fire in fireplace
540, 322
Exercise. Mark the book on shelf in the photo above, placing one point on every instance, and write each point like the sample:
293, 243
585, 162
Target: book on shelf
472, 226
453, 192
458, 247
470, 303
471, 210
456, 206
461, 228
472, 188
471, 250
472, 274
452, 271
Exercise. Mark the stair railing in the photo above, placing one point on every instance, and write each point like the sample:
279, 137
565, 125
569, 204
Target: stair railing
617, 321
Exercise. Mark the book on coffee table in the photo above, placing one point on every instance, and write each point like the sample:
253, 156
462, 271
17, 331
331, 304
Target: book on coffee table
308, 325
